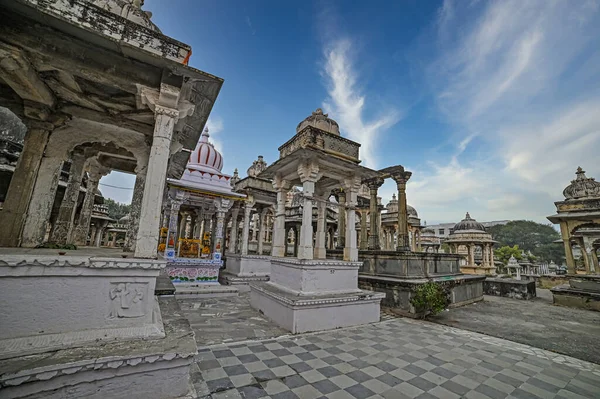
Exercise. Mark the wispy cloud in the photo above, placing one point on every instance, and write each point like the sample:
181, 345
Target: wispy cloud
249, 23
523, 77
347, 101
215, 126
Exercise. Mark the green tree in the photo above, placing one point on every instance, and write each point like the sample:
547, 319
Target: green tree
504, 253
530, 236
116, 210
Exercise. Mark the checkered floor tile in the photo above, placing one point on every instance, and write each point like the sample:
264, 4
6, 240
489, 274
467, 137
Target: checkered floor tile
395, 359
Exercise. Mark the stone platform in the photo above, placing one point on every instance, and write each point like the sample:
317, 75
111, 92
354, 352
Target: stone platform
398, 274
509, 288
241, 270
582, 292
315, 295
149, 368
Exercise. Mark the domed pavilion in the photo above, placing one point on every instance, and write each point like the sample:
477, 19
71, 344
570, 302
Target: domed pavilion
429, 241
192, 236
470, 238
579, 218
389, 225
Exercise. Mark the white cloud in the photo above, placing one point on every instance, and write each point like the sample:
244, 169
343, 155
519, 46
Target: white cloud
346, 102
215, 126
524, 79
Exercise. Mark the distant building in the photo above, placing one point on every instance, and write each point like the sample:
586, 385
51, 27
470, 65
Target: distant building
443, 230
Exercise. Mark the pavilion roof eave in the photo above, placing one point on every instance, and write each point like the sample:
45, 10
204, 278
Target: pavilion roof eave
577, 215
284, 164
205, 191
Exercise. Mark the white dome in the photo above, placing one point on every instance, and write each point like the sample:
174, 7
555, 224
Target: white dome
205, 155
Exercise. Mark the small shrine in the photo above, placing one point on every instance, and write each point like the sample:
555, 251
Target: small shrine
389, 222
514, 268
470, 238
192, 236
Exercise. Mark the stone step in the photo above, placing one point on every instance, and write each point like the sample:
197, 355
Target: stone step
205, 291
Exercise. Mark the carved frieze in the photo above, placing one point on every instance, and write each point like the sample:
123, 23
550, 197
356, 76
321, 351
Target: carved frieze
127, 300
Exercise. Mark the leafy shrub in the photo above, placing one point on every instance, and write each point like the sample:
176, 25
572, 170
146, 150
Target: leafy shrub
429, 299
53, 245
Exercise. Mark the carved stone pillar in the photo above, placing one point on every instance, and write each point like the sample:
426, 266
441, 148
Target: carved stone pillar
182, 224
321, 235
173, 223
100, 233
403, 241
262, 221
246, 229
351, 186
63, 226
222, 207
166, 115
198, 224
341, 228
309, 175
279, 243
42, 199
374, 211
18, 196
234, 229
134, 211
364, 237
85, 216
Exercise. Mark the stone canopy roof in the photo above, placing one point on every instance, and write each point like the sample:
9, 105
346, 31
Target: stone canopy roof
469, 224
582, 187
321, 121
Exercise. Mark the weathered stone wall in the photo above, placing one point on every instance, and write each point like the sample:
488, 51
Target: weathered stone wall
547, 282
517, 289
404, 264
462, 290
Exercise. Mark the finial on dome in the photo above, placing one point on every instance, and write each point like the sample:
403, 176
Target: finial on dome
394, 197
205, 132
468, 216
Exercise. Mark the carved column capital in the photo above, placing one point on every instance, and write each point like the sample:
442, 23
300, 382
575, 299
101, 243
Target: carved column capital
309, 171
280, 184
401, 179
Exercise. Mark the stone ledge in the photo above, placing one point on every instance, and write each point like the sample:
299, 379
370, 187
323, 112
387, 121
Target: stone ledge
251, 256
204, 291
81, 261
516, 289
316, 263
295, 301
177, 349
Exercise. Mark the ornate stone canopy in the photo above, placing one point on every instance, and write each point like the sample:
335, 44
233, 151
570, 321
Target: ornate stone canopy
582, 187
321, 121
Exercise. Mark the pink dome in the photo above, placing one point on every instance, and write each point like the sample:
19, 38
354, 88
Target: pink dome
205, 155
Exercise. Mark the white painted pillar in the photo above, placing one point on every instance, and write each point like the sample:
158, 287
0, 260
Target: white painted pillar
148, 229
222, 206
351, 248
320, 250
279, 242
182, 224
246, 228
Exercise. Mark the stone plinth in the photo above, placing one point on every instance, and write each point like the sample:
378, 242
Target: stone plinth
54, 302
582, 292
151, 368
478, 270
194, 271
398, 274
241, 270
462, 290
315, 295
509, 288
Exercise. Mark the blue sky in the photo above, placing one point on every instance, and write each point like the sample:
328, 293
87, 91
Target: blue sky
492, 105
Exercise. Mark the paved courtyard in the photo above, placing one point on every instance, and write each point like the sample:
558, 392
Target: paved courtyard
397, 358
573, 332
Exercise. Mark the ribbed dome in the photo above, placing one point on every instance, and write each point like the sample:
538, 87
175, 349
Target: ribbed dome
205, 155
582, 187
427, 232
392, 206
468, 224
321, 121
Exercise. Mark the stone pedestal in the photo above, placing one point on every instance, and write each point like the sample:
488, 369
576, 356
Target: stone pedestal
479, 270
582, 292
241, 270
80, 326
314, 295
